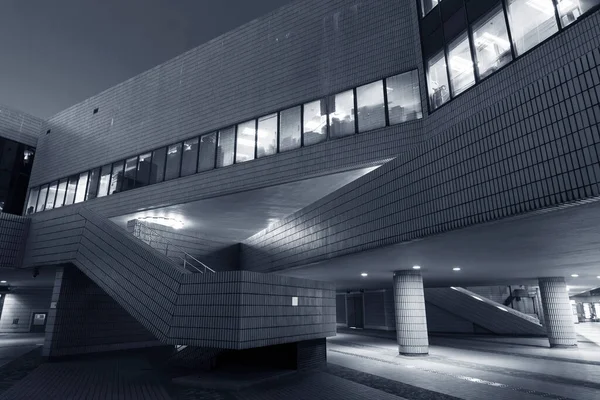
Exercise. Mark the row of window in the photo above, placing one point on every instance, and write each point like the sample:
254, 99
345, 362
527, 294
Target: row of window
510, 29
390, 101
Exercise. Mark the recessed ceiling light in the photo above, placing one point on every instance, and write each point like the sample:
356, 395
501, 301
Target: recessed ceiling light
456, 269
575, 275
416, 267
2, 281
364, 274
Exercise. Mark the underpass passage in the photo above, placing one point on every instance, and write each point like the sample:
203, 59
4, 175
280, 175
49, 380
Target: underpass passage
226, 310
457, 310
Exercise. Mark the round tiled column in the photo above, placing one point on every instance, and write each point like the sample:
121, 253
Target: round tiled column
409, 304
558, 314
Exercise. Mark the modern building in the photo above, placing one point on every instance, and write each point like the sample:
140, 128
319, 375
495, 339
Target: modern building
319, 167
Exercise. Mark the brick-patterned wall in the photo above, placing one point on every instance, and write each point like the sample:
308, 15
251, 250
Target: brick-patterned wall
20, 306
311, 354
20, 127
86, 320
527, 143
218, 254
304, 50
13, 233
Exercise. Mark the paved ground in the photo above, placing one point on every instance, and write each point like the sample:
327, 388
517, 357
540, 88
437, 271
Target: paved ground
364, 366
13, 345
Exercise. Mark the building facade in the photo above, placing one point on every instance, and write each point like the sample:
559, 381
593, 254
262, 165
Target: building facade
364, 144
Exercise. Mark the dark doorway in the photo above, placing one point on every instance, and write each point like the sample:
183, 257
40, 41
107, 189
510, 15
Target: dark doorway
38, 322
355, 311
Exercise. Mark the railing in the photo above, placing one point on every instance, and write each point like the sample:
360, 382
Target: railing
153, 238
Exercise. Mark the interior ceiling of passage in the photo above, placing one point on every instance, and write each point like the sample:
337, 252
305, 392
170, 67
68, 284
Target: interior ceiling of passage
557, 243
238, 216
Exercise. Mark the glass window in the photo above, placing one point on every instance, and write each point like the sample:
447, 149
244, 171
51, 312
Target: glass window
104, 180
157, 171
116, 177
189, 161
129, 175
246, 141
144, 166
570, 10
81, 187
61, 193
225, 147
315, 122
31, 203
341, 114
371, 107
428, 5
71, 188
92, 188
531, 22
404, 97
492, 47
462, 75
173, 161
42, 199
51, 196
267, 136
290, 136
437, 81
208, 144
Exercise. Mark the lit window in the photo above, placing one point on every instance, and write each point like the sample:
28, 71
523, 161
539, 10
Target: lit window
42, 199
129, 175
189, 161
144, 166
208, 145
157, 171
570, 10
290, 136
315, 122
246, 141
403, 97
371, 107
492, 46
51, 196
116, 177
531, 22
341, 114
33, 198
61, 193
104, 181
92, 189
71, 188
81, 187
461, 71
173, 161
428, 5
267, 136
437, 81
225, 147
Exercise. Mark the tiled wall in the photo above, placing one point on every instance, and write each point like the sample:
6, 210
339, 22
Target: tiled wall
13, 232
523, 140
85, 319
19, 307
231, 310
218, 254
301, 52
20, 127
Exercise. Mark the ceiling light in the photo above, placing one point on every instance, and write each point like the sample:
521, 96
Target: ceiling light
568, 288
2, 281
575, 276
598, 277
453, 288
502, 308
170, 222
456, 269
364, 274
416, 267
477, 298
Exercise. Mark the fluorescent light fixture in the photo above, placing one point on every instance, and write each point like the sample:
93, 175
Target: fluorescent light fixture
164, 221
502, 308
2, 281
598, 277
364, 274
453, 288
575, 275
416, 267
568, 288
499, 41
544, 6
477, 298
456, 269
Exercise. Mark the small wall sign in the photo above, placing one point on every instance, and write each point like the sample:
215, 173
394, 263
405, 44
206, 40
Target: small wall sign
294, 301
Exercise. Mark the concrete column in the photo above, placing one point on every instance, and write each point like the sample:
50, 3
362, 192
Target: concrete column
558, 314
411, 322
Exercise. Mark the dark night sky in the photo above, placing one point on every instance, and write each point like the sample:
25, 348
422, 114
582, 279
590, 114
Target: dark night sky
56, 53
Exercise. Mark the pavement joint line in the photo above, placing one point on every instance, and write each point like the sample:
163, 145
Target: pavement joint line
461, 377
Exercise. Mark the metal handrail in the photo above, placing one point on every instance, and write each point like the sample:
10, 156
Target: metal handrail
179, 248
